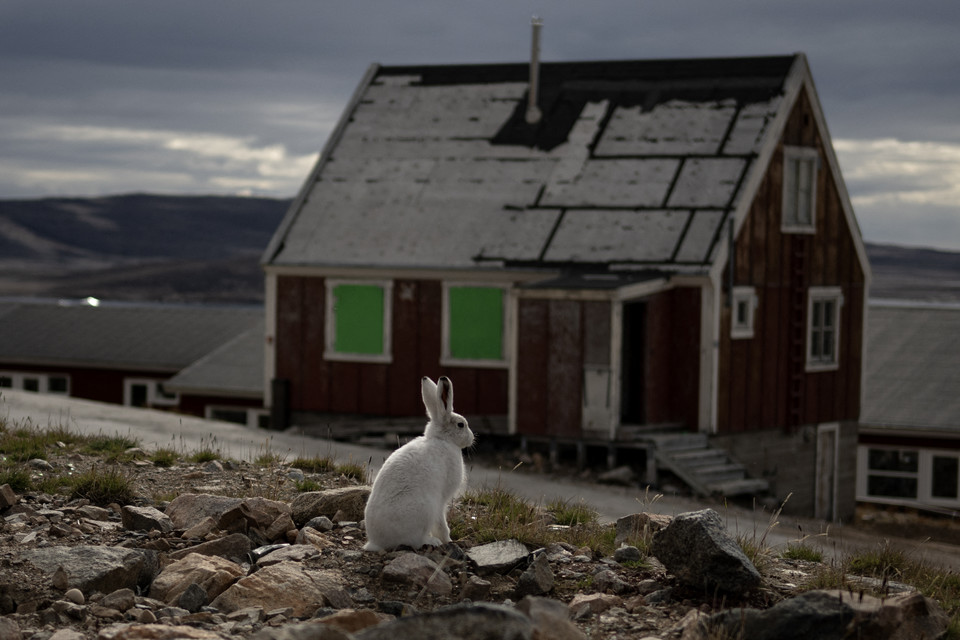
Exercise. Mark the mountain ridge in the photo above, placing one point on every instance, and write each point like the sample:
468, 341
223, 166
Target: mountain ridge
186, 248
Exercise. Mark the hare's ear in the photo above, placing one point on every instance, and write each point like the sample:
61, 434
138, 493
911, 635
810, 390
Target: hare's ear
445, 394
428, 390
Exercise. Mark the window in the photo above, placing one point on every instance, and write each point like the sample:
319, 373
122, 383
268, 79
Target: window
6, 382
31, 383
59, 385
144, 392
474, 325
917, 477
36, 382
800, 166
823, 328
744, 304
358, 320
251, 417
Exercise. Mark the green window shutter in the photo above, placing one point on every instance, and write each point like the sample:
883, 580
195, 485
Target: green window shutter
358, 314
476, 323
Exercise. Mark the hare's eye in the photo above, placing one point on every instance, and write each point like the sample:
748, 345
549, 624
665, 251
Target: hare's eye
460, 424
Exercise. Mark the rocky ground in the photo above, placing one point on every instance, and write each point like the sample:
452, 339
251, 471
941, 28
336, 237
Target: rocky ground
235, 549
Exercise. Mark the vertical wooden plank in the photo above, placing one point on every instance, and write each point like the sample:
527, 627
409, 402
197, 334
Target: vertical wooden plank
316, 379
596, 333
532, 382
723, 373
288, 337
430, 314
403, 385
345, 387
564, 368
492, 392
373, 389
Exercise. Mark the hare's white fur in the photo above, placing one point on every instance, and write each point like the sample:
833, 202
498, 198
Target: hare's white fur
408, 503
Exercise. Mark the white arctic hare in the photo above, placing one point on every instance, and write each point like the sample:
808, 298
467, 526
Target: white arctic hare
408, 503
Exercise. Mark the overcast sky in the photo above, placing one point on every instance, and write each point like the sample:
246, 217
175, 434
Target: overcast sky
101, 97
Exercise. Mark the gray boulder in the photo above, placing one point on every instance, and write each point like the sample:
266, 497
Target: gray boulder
828, 615
698, 550
145, 519
498, 557
458, 622
349, 501
90, 568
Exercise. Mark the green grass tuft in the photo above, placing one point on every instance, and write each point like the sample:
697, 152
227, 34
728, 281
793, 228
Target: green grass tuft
572, 514
17, 477
112, 448
102, 487
164, 457
801, 551
317, 464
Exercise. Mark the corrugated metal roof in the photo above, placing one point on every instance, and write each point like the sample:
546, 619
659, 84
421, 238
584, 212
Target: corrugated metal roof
633, 162
155, 337
912, 367
234, 369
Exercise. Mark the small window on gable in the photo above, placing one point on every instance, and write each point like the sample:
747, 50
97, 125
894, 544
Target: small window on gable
358, 320
823, 328
800, 166
474, 325
743, 306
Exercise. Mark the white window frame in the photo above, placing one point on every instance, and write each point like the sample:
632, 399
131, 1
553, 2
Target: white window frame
43, 381
446, 359
924, 476
790, 222
156, 397
330, 328
253, 414
743, 296
823, 294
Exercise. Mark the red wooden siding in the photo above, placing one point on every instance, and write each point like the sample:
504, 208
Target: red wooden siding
375, 389
762, 381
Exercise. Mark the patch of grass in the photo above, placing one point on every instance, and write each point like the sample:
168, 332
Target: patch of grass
497, 514
204, 454
801, 551
303, 486
572, 514
111, 448
755, 546
355, 470
268, 459
164, 457
885, 563
17, 477
102, 487
317, 464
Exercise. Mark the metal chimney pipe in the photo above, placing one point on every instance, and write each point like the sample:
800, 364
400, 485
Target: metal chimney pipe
533, 111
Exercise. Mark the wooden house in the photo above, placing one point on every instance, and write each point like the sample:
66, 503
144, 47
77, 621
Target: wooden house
649, 253
909, 454
128, 353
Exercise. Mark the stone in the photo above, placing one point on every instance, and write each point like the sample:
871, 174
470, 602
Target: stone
289, 553
639, 526
320, 523
475, 589
537, 580
193, 598
700, 552
213, 466
65, 634
458, 622
583, 604
607, 580
348, 501
8, 497
145, 519
313, 538
105, 613
75, 596
829, 615
93, 512
234, 547
155, 632
627, 553
188, 509
622, 476
213, 573
9, 629
420, 571
90, 568
498, 557
550, 618
351, 620
121, 599
40, 465
200, 529
287, 584
278, 529
251, 615
312, 630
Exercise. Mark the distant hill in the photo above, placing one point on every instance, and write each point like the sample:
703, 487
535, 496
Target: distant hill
207, 249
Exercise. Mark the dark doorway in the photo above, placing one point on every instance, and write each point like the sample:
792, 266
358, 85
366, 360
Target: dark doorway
633, 363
